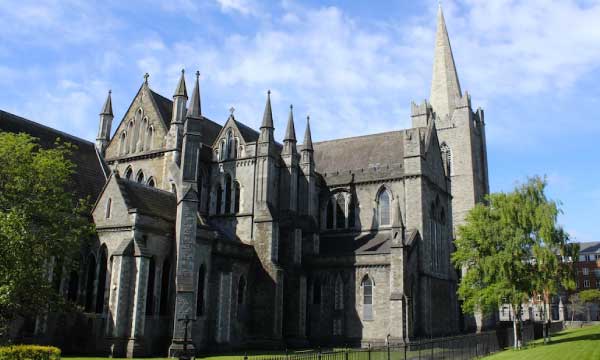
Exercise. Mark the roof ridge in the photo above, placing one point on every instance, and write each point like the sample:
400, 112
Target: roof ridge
361, 136
49, 128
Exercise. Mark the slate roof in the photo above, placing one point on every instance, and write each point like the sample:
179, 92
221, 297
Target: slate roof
210, 129
378, 243
384, 150
90, 171
589, 247
249, 134
165, 107
148, 200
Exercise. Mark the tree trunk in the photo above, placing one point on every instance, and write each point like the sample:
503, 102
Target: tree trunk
515, 337
545, 322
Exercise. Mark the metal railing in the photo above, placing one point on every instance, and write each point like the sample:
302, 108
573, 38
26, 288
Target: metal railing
459, 347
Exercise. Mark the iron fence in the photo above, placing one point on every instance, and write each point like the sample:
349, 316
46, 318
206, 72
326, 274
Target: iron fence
459, 347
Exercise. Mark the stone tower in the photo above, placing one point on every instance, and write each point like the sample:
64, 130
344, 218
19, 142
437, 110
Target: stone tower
461, 130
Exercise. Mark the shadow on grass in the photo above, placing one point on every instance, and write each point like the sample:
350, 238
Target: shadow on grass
576, 338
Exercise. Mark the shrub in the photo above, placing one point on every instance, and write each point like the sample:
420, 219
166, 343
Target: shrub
29, 352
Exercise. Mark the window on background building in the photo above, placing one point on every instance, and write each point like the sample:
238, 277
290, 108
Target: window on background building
585, 271
383, 208
367, 287
581, 257
586, 284
598, 284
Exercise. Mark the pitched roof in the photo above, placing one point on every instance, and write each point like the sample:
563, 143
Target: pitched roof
384, 150
90, 172
249, 134
378, 243
165, 107
589, 247
148, 200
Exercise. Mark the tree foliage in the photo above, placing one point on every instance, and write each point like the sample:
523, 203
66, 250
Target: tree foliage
41, 222
511, 247
591, 296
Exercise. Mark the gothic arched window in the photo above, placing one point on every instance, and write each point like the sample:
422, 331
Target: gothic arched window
230, 145
367, 287
151, 182
218, 194
222, 151
228, 191
351, 213
150, 288
383, 208
143, 133
236, 204
132, 138
128, 173
108, 208
140, 177
329, 214
101, 280
340, 211
123, 143
149, 138
89, 284
73, 286
446, 158
200, 291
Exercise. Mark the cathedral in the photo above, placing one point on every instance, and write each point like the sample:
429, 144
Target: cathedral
261, 243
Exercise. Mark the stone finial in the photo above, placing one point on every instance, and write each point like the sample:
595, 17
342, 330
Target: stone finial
107, 108
290, 132
268, 114
308, 144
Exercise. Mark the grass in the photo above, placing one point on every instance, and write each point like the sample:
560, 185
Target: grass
579, 344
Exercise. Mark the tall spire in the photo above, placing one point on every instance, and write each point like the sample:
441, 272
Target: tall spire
107, 108
195, 110
268, 115
181, 89
444, 83
308, 145
290, 132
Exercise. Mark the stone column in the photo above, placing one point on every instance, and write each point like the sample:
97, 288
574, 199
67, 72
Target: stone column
135, 347
118, 305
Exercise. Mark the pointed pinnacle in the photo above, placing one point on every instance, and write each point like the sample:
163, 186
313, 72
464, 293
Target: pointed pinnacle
290, 132
308, 145
195, 109
268, 114
445, 86
107, 108
181, 89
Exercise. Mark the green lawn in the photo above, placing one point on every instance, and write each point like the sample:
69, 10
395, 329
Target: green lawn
579, 344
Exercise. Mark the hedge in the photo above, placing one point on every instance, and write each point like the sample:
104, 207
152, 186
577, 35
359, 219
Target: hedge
29, 352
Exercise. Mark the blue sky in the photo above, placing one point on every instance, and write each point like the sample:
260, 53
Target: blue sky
534, 66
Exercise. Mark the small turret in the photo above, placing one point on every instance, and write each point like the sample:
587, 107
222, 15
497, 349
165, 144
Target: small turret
289, 141
195, 109
307, 149
106, 118
266, 129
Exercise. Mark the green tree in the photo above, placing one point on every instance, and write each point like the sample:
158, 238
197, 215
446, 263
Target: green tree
504, 244
588, 297
576, 306
41, 223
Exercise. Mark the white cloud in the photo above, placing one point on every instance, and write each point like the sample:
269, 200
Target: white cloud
244, 7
